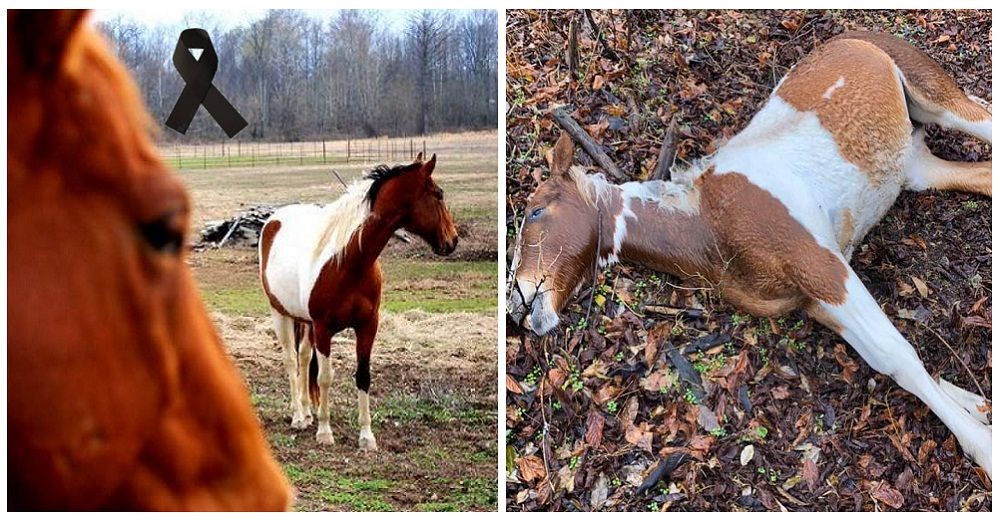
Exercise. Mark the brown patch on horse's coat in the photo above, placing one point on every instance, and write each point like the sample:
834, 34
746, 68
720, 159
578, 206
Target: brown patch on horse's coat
925, 80
266, 239
771, 263
866, 115
674, 242
845, 233
120, 394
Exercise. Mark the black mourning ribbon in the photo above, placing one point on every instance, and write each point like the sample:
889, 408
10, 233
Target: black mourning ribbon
198, 87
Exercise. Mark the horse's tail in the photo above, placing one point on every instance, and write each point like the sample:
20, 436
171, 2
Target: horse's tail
313, 384
301, 331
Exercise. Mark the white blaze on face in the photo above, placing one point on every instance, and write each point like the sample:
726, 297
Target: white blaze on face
531, 302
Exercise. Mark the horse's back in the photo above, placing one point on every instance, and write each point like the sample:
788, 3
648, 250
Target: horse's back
288, 263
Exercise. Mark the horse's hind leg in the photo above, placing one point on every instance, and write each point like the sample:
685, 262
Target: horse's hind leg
366, 338
860, 321
924, 171
284, 329
303, 336
321, 339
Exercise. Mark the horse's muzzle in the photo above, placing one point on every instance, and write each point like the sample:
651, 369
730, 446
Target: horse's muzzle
446, 248
531, 307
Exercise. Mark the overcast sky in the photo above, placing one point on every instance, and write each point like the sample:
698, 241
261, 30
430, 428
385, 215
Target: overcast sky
227, 19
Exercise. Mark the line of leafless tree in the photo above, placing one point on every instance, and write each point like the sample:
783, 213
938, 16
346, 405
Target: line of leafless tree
295, 77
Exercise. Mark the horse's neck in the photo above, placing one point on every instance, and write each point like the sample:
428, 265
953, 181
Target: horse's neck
659, 225
371, 238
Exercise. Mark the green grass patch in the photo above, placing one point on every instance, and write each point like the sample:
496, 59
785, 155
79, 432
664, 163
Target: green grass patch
302, 476
357, 495
468, 494
439, 286
444, 408
247, 161
239, 301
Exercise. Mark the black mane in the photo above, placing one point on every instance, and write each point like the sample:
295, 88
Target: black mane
380, 175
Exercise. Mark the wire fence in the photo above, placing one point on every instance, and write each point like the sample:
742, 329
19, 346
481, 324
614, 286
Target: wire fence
239, 154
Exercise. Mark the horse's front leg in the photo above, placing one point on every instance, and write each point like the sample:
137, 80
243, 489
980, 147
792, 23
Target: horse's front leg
862, 323
366, 338
321, 341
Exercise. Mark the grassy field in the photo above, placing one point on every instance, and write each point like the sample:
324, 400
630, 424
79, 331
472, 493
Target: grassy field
434, 366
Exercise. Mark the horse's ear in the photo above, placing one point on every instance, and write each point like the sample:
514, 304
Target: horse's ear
420, 157
41, 37
429, 165
562, 155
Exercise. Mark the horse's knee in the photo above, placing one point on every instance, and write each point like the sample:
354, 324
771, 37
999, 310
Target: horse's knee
362, 377
325, 377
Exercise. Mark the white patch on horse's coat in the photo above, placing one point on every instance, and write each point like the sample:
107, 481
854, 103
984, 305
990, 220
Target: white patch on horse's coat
818, 184
324, 434
597, 191
829, 92
309, 237
862, 323
366, 439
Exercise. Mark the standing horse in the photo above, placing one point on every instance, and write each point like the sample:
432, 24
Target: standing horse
119, 392
319, 267
772, 218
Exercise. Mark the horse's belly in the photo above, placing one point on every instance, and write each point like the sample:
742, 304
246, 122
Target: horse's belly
792, 156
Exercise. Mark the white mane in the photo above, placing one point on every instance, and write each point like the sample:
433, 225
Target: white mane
346, 215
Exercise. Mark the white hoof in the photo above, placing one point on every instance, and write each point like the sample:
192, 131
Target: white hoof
301, 423
324, 437
367, 443
967, 400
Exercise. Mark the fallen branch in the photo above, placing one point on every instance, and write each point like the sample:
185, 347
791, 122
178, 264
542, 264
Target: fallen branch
668, 153
592, 148
608, 51
229, 233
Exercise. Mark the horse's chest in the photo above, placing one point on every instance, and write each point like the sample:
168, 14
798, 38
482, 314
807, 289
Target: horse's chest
343, 298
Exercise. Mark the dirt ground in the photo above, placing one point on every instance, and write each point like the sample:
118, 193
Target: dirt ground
434, 374
791, 418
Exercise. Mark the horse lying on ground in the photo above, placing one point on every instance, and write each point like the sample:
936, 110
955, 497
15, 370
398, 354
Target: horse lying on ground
772, 218
320, 271
119, 392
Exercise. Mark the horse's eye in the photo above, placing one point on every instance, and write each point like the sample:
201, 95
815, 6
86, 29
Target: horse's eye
439, 193
535, 214
164, 234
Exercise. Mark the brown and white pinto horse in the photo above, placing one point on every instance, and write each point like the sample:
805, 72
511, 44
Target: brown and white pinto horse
772, 218
119, 393
319, 267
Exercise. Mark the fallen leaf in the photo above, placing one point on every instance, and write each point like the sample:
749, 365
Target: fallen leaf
566, 478
513, 386
595, 429
810, 472
926, 448
790, 25
887, 495
531, 468
746, 455
599, 492
921, 286
707, 418
780, 392
598, 82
